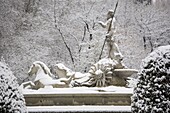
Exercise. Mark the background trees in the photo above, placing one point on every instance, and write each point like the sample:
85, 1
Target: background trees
67, 31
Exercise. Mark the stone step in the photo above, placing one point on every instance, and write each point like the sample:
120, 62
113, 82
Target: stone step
79, 109
75, 96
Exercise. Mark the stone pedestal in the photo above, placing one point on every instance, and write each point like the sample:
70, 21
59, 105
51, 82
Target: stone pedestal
117, 96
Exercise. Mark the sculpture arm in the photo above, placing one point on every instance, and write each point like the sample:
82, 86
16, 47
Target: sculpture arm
102, 24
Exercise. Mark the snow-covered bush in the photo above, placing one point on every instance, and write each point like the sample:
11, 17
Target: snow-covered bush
11, 99
152, 93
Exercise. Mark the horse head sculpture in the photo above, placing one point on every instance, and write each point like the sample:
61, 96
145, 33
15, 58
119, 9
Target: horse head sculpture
38, 67
44, 77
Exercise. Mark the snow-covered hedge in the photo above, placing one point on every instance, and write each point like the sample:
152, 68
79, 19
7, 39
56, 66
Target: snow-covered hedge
11, 99
152, 93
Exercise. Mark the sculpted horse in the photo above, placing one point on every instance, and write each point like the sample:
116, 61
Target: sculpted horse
44, 77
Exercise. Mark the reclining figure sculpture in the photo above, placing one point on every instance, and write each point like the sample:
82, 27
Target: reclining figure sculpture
102, 74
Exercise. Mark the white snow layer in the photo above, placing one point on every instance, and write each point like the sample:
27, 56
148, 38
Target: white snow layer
79, 108
80, 90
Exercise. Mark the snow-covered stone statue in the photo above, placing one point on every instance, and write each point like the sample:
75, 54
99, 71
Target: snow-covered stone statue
43, 77
110, 25
64, 72
102, 74
107, 71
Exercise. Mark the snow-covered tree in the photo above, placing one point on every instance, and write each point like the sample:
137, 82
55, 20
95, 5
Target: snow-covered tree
151, 23
11, 99
152, 93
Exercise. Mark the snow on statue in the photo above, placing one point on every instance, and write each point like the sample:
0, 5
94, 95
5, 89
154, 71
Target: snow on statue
113, 49
101, 74
44, 77
106, 72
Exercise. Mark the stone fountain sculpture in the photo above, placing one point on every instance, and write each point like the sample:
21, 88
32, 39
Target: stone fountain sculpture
75, 88
109, 71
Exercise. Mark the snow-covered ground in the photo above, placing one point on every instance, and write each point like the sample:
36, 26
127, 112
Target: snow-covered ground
102, 109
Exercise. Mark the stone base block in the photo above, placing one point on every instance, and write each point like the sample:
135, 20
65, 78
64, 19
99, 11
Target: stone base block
74, 97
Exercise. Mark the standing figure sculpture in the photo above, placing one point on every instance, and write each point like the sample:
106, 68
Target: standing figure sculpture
113, 50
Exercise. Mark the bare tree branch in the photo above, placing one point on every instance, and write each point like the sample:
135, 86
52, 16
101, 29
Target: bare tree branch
149, 37
62, 36
87, 26
84, 34
91, 7
68, 48
55, 20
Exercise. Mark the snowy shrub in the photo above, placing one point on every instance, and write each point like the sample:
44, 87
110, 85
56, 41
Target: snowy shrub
152, 93
11, 99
